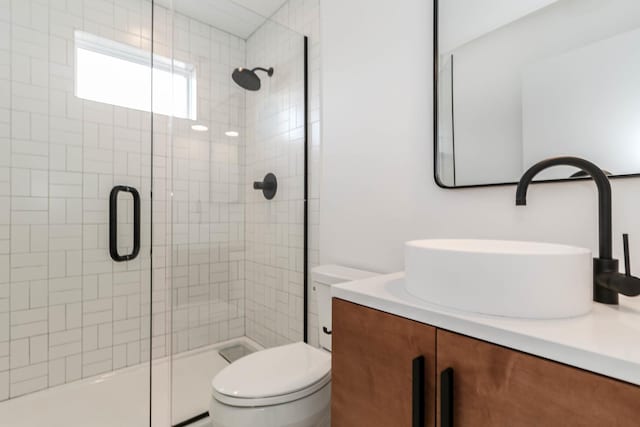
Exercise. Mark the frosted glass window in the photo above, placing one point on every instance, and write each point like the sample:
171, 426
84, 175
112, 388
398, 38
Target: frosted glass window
119, 74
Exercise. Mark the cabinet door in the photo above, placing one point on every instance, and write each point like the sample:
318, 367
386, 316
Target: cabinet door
496, 386
373, 368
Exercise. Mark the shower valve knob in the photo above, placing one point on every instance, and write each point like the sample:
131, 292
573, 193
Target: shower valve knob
269, 186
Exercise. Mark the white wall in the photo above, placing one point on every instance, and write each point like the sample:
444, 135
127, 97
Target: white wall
377, 188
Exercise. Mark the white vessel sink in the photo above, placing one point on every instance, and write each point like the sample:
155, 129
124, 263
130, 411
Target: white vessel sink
502, 278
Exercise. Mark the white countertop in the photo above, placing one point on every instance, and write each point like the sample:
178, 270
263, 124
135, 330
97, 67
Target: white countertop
606, 341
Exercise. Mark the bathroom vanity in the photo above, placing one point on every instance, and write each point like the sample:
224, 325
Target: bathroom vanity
478, 370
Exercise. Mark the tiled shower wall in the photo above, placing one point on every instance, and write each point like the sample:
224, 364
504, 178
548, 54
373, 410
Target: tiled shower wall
275, 143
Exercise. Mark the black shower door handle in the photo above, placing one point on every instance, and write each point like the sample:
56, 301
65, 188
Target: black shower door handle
113, 223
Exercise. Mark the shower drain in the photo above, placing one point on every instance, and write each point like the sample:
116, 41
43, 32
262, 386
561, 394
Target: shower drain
235, 352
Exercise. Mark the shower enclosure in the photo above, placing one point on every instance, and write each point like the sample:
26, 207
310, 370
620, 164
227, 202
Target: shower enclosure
152, 207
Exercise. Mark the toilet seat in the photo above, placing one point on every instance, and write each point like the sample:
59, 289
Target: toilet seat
274, 376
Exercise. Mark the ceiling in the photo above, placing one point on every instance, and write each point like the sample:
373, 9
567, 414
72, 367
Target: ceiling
464, 20
263, 7
238, 17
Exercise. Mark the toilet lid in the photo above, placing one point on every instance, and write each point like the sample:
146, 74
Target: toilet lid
274, 372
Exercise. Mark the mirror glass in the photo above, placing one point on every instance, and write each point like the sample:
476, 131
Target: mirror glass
521, 81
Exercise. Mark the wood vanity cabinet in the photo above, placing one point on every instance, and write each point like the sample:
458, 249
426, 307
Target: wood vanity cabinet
372, 368
472, 383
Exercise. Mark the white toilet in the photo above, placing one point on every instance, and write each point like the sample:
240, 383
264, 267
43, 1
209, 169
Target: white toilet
285, 386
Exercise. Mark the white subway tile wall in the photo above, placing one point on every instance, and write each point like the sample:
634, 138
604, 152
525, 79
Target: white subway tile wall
67, 311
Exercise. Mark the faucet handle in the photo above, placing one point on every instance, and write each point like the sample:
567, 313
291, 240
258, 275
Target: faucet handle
627, 262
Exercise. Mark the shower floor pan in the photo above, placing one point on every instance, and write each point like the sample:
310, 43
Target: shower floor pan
181, 390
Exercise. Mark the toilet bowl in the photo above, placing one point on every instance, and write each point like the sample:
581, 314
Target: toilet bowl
288, 385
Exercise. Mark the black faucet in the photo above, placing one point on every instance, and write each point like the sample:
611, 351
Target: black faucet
607, 281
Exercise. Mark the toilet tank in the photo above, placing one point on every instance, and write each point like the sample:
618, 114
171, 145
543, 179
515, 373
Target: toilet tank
323, 278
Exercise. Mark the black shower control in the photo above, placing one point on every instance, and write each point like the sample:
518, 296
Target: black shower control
269, 186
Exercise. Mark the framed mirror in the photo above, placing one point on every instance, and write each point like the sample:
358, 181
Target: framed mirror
517, 82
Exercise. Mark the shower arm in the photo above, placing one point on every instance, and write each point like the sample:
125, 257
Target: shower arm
269, 71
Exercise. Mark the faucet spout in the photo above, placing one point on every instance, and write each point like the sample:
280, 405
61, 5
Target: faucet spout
604, 195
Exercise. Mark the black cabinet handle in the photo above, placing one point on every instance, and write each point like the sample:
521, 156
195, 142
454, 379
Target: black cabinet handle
446, 398
418, 393
326, 331
113, 223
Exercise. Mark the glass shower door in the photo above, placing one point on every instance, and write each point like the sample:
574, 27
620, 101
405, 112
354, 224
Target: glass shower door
75, 212
231, 259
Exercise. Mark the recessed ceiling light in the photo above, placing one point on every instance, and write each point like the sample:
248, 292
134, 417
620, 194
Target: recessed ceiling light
231, 133
200, 128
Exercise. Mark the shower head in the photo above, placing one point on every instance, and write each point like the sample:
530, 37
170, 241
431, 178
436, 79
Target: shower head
248, 79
